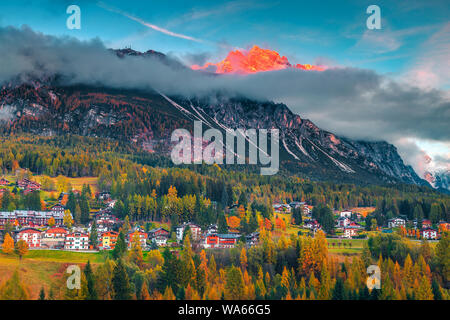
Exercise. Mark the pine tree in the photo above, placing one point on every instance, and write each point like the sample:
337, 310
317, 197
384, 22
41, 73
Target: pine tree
121, 283
91, 289
338, 290
42, 294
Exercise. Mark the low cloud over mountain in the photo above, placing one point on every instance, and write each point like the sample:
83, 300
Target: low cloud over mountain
352, 102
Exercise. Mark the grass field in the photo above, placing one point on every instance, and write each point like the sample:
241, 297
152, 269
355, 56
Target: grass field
43, 268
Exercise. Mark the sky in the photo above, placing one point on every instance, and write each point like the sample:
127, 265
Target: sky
412, 48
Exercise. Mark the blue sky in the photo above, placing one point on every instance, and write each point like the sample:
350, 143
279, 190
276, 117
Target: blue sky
413, 44
330, 31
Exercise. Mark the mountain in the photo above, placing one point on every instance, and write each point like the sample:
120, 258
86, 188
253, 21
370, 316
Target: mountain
440, 179
148, 118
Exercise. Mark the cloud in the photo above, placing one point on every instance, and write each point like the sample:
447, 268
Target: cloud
431, 68
147, 24
356, 103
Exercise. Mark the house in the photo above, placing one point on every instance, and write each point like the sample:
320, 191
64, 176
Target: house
29, 185
228, 240
307, 209
76, 241
160, 240
396, 222
104, 196
345, 214
54, 238
59, 209
31, 217
108, 240
429, 234
281, 208
158, 232
252, 239
196, 231
105, 220
350, 232
212, 228
426, 224
31, 236
311, 224
343, 222
141, 236
4, 182
296, 204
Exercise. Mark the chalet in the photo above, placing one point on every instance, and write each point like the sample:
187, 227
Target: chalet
157, 232
76, 241
104, 196
54, 238
4, 182
252, 239
212, 228
343, 222
105, 221
160, 240
426, 224
58, 209
345, 214
141, 236
228, 240
297, 205
429, 234
31, 236
350, 232
282, 208
196, 231
29, 185
307, 209
396, 222
108, 240
311, 224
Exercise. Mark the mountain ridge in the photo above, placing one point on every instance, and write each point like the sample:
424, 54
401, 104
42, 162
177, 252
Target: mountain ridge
149, 117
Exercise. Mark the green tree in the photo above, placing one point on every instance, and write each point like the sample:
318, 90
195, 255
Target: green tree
234, 285
90, 281
121, 283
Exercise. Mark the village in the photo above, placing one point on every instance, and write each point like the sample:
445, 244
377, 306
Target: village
50, 229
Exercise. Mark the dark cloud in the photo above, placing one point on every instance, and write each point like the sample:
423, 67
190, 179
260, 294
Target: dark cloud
356, 103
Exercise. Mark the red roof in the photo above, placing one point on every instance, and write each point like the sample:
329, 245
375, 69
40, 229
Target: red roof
29, 230
57, 230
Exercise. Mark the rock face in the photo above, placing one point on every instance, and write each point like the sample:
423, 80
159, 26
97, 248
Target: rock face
149, 118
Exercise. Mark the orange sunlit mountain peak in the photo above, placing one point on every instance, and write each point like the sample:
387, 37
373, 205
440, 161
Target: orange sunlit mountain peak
254, 60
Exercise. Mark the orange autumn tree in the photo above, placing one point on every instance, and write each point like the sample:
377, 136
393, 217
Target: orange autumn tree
8, 244
234, 222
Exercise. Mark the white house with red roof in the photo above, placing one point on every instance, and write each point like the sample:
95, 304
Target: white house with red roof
76, 241
429, 234
31, 236
54, 238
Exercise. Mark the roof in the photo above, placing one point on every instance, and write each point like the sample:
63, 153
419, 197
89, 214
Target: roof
29, 230
56, 230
